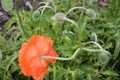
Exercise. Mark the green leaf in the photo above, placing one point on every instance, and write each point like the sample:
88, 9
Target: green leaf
7, 5
83, 31
9, 23
110, 73
2, 41
117, 48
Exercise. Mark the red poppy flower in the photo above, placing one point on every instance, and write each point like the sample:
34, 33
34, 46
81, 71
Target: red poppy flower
29, 56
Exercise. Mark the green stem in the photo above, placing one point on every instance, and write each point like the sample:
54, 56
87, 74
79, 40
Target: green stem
29, 5
75, 53
95, 44
74, 9
82, 24
95, 50
60, 58
69, 4
115, 63
103, 67
44, 8
59, 29
78, 32
67, 19
19, 19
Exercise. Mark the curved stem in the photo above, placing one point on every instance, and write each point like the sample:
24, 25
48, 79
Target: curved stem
67, 19
29, 4
42, 3
74, 55
95, 50
95, 44
75, 8
61, 58
44, 8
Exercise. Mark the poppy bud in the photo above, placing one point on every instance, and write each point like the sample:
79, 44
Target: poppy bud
36, 15
104, 58
29, 5
90, 13
65, 32
93, 36
7, 5
50, 2
59, 17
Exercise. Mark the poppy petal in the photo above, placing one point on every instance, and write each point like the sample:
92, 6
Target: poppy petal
29, 56
52, 53
38, 68
42, 43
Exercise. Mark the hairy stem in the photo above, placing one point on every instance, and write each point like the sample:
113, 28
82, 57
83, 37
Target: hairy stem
74, 9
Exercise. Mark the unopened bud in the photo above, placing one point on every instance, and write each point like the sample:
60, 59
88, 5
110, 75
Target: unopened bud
36, 15
7, 5
50, 1
59, 17
29, 5
90, 13
65, 32
104, 58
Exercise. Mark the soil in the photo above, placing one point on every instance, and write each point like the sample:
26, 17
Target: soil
4, 16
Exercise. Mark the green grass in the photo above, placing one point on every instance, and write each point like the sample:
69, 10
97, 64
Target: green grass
86, 65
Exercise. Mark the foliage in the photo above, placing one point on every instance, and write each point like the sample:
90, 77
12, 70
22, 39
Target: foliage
86, 65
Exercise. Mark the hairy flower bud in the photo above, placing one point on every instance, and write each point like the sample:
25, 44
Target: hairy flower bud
50, 2
104, 58
36, 15
7, 5
29, 5
59, 17
90, 13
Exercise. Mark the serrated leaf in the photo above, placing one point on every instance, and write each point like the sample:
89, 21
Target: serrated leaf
2, 41
110, 73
